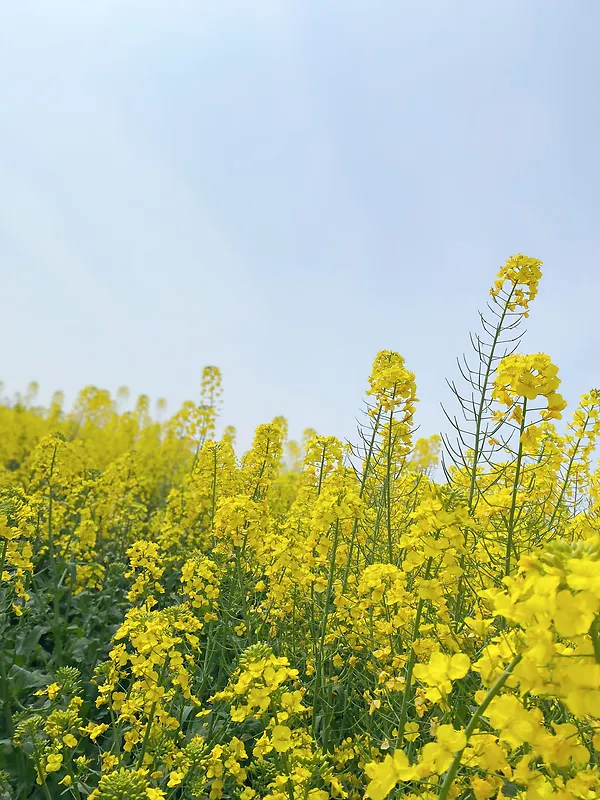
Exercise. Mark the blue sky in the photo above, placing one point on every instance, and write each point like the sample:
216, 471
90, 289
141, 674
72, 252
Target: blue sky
285, 188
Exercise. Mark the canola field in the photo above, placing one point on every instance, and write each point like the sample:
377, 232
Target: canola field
392, 618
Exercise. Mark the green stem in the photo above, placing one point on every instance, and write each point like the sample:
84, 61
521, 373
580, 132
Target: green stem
256, 493
3, 557
567, 476
5, 691
151, 716
388, 487
477, 449
323, 632
513, 504
409, 673
214, 490
321, 468
363, 483
412, 659
10, 728
595, 634
74, 789
479, 438
495, 689
56, 621
38, 766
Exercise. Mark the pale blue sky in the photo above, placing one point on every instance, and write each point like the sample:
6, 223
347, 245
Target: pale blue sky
285, 188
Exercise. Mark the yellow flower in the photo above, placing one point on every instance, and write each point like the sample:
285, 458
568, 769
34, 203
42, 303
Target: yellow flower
530, 437
175, 778
482, 789
411, 731
395, 391
155, 794
281, 738
387, 773
53, 690
528, 376
523, 275
485, 753
563, 747
291, 702
442, 668
584, 574
516, 725
437, 756
575, 612
94, 731
70, 740
440, 672
54, 762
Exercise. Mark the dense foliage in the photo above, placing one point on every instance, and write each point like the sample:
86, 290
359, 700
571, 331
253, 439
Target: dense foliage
309, 621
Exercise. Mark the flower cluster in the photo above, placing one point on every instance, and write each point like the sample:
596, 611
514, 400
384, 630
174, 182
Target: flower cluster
529, 377
519, 277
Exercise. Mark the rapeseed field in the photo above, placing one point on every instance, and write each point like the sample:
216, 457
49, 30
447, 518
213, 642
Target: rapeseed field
392, 618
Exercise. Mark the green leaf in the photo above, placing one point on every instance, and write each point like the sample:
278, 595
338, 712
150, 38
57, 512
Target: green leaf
80, 650
27, 679
27, 641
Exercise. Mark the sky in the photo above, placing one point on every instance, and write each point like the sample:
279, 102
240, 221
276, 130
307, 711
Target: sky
283, 188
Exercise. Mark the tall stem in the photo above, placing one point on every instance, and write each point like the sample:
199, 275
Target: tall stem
479, 438
388, 488
56, 622
412, 659
567, 476
363, 483
513, 503
38, 765
495, 689
595, 634
482, 400
151, 716
323, 631
409, 673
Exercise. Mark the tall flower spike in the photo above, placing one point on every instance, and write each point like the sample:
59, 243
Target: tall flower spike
522, 274
392, 384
